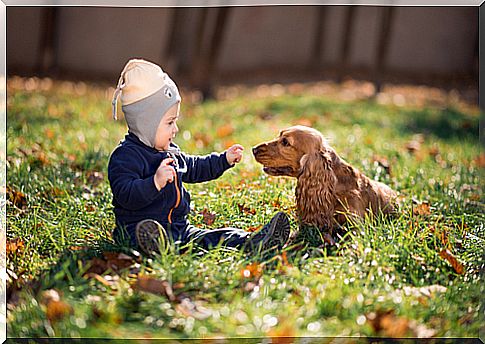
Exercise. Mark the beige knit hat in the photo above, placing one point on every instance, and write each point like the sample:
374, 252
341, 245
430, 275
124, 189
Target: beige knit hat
147, 92
140, 79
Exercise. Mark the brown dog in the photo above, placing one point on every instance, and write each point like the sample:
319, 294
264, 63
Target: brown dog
328, 188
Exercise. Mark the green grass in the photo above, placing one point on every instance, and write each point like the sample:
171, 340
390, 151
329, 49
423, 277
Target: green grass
59, 140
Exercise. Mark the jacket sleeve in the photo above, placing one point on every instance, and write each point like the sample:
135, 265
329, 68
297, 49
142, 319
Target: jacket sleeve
124, 174
205, 168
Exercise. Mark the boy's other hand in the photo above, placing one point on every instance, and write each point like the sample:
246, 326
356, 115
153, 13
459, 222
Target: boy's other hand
165, 174
234, 154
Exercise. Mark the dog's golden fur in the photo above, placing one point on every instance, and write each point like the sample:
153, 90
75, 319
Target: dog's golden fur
328, 188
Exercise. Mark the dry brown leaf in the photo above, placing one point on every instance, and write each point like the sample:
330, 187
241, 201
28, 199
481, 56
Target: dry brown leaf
94, 178
49, 133
328, 238
41, 157
97, 266
225, 130
79, 248
208, 217
89, 208
457, 266
283, 333
17, 198
99, 278
151, 285
421, 209
388, 324
413, 146
228, 143
202, 139
304, 121
56, 310
254, 228
253, 270
246, 210
118, 261
434, 151
14, 246
480, 160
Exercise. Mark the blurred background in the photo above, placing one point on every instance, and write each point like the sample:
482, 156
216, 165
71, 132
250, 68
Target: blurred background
202, 48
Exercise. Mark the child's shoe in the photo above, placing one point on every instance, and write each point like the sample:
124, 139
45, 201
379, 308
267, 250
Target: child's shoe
272, 236
151, 237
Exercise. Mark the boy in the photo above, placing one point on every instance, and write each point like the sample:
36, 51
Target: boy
147, 170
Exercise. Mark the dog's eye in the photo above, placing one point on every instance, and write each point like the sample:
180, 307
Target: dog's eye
285, 142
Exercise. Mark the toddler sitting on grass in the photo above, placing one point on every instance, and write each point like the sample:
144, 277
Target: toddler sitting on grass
147, 170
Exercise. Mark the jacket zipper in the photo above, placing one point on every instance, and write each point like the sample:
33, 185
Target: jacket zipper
177, 202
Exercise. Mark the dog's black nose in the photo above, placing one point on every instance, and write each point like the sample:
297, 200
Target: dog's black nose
255, 150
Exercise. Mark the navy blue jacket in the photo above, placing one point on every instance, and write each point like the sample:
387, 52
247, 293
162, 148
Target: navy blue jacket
131, 170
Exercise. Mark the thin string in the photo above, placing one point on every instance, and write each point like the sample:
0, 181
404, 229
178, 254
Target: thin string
119, 88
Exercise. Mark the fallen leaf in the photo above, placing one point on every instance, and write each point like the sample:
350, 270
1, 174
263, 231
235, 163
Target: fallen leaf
253, 270
246, 210
228, 143
283, 333
41, 158
208, 217
17, 198
383, 162
56, 310
225, 130
14, 246
94, 178
107, 281
79, 248
457, 266
388, 324
304, 121
118, 261
421, 209
276, 204
434, 151
328, 238
254, 228
202, 140
97, 266
89, 208
49, 133
442, 234
154, 286
266, 115
413, 146
480, 160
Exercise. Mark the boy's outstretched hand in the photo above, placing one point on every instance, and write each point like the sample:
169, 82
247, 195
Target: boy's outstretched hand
165, 174
234, 154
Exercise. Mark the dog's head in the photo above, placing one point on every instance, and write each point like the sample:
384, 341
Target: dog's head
283, 155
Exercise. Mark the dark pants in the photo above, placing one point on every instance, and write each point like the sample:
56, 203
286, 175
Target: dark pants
184, 233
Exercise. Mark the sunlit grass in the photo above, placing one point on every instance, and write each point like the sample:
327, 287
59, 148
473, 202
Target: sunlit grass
60, 137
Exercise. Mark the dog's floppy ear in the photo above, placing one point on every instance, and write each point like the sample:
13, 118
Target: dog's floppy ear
315, 196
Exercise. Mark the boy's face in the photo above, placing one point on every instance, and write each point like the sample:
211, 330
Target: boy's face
167, 129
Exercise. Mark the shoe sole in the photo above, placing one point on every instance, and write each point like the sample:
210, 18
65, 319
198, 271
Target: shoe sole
278, 232
150, 236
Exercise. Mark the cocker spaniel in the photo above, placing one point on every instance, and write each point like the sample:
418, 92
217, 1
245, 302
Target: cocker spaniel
329, 190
